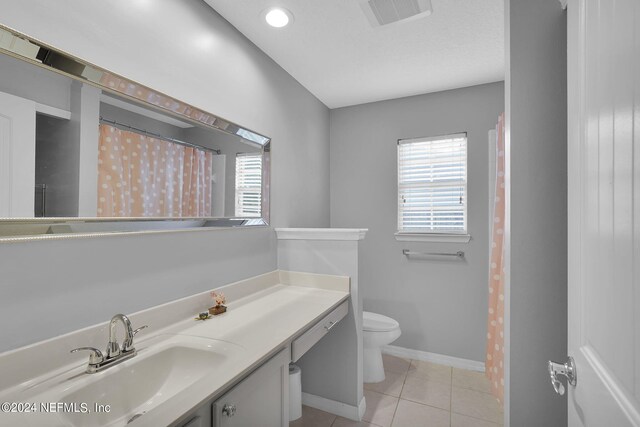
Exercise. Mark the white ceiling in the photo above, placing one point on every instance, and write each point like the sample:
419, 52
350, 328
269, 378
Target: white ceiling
333, 51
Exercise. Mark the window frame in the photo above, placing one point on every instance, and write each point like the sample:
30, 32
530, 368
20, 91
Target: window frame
452, 236
239, 190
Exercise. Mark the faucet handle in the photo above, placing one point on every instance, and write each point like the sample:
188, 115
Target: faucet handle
94, 358
127, 345
135, 331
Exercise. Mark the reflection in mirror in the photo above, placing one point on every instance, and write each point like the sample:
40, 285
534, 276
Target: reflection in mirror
95, 145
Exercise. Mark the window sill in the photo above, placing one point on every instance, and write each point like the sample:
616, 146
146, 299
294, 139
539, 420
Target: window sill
433, 237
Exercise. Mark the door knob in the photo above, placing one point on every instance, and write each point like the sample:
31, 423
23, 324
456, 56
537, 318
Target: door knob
567, 370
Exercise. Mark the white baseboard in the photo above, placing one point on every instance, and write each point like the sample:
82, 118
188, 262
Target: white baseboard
337, 408
441, 359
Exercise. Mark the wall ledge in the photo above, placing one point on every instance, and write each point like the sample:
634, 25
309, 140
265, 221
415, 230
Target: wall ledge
321, 233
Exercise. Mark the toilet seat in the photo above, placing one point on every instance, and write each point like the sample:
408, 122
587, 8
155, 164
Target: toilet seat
374, 322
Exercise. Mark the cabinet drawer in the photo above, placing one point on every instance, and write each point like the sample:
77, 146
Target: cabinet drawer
307, 340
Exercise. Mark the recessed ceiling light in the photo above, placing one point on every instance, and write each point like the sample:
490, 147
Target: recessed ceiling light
278, 17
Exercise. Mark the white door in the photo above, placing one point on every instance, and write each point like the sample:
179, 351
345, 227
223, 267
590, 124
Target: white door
17, 156
604, 211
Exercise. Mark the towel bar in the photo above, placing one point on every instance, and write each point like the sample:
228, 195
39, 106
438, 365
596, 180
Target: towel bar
408, 253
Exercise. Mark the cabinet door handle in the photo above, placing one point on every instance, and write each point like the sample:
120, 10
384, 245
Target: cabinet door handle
229, 409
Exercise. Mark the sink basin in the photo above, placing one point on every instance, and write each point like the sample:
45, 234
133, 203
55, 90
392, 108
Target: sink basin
164, 366
154, 375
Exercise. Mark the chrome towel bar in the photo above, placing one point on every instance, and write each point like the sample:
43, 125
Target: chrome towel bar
408, 253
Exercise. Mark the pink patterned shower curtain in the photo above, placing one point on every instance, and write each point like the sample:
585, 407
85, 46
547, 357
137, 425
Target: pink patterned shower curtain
140, 176
494, 365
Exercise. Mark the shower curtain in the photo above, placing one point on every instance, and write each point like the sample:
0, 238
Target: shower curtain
494, 364
140, 176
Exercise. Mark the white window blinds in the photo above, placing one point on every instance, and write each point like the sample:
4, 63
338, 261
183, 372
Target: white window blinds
432, 185
248, 184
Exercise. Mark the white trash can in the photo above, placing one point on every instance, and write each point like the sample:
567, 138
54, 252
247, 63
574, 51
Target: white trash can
295, 392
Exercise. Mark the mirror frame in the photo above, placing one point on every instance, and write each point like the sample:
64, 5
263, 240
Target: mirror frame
45, 56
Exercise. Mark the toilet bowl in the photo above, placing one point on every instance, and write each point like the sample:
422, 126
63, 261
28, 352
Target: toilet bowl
378, 330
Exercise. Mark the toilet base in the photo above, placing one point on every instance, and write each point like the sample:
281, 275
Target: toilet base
373, 369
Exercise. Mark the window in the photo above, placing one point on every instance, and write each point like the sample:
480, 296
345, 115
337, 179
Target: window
432, 186
248, 184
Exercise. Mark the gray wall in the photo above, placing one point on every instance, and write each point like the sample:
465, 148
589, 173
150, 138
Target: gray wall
536, 95
441, 305
209, 65
54, 287
75, 283
28, 81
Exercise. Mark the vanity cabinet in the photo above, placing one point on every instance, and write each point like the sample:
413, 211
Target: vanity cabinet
261, 399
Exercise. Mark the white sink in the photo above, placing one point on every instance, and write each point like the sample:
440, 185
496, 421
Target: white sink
164, 366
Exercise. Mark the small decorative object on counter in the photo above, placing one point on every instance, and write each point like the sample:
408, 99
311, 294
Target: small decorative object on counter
219, 306
203, 316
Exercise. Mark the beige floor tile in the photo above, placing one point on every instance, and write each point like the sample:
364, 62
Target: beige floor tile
396, 364
458, 420
464, 378
380, 408
392, 384
343, 422
411, 414
431, 371
476, 404
428, 392
312, 417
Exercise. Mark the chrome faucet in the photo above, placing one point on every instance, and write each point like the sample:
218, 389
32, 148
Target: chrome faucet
115, 353
113, 349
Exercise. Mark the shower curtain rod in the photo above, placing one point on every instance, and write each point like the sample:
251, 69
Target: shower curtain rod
155, 135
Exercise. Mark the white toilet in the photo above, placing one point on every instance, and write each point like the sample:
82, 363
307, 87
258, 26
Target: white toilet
378, 330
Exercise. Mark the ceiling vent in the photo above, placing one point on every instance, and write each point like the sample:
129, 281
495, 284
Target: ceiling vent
385, 12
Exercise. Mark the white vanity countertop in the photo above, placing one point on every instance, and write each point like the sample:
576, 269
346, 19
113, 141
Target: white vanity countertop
267, 313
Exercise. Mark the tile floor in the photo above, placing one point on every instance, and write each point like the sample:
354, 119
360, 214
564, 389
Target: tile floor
419, 394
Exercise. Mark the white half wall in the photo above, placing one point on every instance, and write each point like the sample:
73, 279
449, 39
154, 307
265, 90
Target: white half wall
332, 369
441, 305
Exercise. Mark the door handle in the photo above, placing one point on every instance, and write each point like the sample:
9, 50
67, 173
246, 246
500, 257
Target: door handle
567, 370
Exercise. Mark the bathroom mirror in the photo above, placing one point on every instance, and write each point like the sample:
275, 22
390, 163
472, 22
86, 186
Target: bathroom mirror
83, 150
